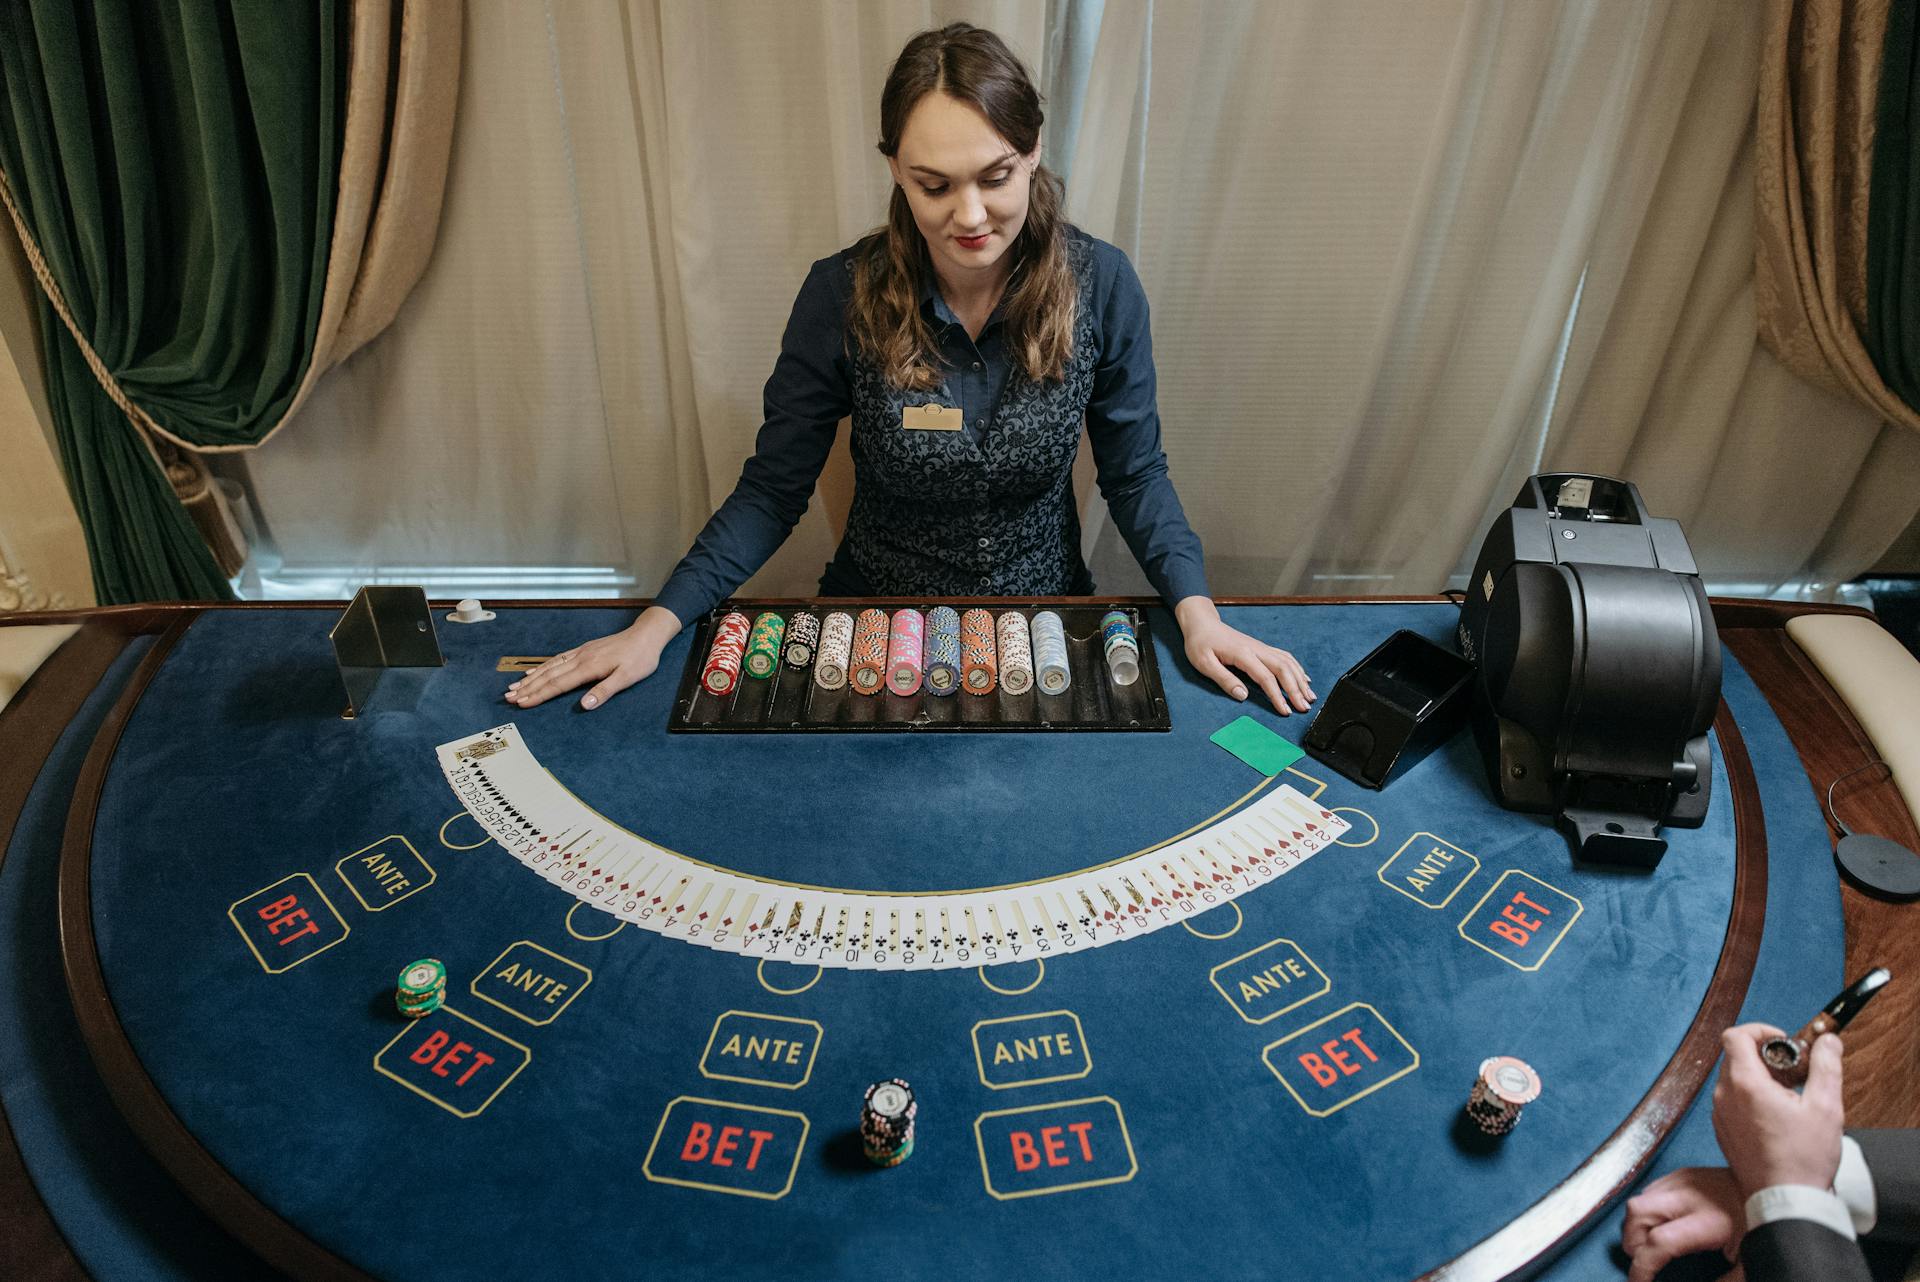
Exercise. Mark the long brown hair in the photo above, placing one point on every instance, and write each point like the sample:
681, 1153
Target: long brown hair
884, 320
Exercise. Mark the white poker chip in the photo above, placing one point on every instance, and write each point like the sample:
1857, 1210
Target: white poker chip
1511, 1080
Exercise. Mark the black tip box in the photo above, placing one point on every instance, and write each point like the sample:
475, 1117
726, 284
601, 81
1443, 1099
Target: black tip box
1391, 709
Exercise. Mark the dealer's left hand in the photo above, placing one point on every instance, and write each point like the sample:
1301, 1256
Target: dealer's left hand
1215, 649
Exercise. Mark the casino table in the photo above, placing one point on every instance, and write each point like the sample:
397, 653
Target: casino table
211, 878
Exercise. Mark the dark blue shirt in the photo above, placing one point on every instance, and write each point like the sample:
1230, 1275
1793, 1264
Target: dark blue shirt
985, 511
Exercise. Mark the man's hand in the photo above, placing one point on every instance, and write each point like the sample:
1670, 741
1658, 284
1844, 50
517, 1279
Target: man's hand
1695, 1209
1770, 1134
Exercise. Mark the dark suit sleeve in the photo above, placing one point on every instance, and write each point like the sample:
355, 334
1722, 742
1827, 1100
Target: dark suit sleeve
1801, 1251
1893, 1159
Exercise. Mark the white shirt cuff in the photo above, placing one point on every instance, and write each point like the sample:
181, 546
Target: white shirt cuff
1799, 1202
1854, 1186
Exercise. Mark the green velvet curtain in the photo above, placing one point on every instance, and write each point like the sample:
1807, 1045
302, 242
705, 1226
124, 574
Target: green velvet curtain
176, 163
1893, 217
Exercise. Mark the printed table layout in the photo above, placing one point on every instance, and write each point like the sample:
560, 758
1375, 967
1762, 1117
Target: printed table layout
1161, 1014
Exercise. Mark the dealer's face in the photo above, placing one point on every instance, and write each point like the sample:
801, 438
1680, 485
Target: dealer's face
967, 186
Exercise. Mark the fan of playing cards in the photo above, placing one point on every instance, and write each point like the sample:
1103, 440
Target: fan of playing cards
543, 825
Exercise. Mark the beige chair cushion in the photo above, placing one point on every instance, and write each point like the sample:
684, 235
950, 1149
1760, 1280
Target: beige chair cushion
23, 649
1880, 682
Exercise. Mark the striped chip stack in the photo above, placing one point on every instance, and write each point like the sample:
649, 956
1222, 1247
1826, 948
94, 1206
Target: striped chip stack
722, 670
1505, 1086
763, 648
943, 649
886, 1122
1016, 653
906, 652
869, 667
803, 638
978, 662
836, 651
423, 986
1050, 653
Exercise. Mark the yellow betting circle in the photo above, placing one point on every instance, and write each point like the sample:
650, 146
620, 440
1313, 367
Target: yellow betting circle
1355, 810
618, 926
760, 972
1041, 962
484, 839
1239, 920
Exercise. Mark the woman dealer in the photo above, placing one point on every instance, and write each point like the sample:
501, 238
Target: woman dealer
968, 339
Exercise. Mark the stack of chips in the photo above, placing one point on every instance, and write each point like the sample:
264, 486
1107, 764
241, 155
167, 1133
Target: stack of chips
836, 651
803, 636
723, 661
943, 649
1016, 653
978, 663
763, 649
869, 666
1505, 1086
1122, 645
906, 652
423, 986
886, 1122
1050, 652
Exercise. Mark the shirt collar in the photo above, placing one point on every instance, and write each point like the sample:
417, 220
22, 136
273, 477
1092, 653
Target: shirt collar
932, 300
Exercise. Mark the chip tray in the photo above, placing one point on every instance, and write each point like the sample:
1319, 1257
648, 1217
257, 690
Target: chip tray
790, 699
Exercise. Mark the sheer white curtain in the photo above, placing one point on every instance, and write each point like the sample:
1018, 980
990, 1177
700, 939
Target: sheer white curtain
1399, 256
635, 195
1402, 256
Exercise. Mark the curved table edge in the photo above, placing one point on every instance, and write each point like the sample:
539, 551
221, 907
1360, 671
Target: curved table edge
1533, 1238
1527, 1243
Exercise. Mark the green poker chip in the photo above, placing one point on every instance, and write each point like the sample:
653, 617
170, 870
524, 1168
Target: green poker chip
425, 976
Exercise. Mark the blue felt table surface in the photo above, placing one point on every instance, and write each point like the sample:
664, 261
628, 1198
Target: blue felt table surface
237, 771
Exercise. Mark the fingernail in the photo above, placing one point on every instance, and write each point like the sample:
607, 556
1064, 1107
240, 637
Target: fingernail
1239, 692
590, 702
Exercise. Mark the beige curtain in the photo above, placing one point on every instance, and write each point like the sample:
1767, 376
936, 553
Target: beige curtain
1399, 256
634, 197
402, 79
1819, 86
43, 555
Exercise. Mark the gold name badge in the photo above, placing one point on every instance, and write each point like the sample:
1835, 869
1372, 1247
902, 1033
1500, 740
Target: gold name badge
932, 418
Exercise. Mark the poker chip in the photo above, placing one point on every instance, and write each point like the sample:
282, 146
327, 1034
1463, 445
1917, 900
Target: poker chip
836, 651
1050, 653
1504, 1087
1122, 646
943, 649
868, 664
886, 1122
1016, 652
978, 662
803, 638
423, 976
722, 669
906, 646
421, 989
763, 648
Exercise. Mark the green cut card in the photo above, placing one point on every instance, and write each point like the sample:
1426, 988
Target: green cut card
1258, 746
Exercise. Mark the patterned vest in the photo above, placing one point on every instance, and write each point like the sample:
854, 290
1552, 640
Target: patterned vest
940, 514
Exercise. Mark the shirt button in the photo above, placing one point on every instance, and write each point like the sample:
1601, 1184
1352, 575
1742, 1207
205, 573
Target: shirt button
976, 364
979, 425
985, 582
986, 543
